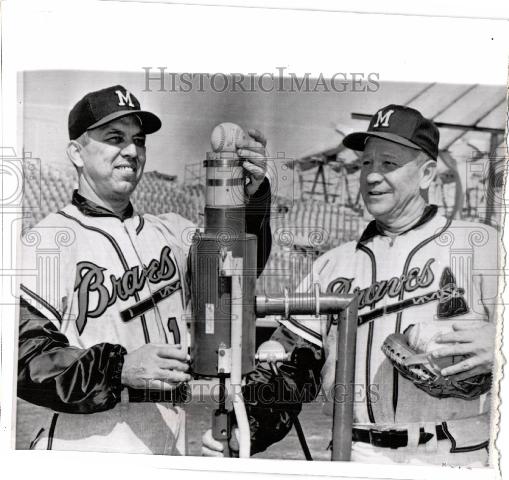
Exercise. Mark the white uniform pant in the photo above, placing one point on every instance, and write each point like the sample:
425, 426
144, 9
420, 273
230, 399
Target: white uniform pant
419, 455
137, 427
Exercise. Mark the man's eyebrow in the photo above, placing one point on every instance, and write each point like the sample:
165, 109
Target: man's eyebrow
121, 132
392, 157
113, 130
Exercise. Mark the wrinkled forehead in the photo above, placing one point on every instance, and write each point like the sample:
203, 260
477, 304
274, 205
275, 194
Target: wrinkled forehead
129, 124
381, 147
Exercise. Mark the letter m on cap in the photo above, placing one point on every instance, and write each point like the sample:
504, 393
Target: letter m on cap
382, 119
124, 98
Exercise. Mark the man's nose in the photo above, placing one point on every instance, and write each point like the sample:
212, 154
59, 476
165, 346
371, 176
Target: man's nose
374, 176
129, 151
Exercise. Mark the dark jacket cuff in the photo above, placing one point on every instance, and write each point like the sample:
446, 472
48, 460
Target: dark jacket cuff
116, 364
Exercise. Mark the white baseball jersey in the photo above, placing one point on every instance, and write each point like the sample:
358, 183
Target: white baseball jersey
438, 271
103, 280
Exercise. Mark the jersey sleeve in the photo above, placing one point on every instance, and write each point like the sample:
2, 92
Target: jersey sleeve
488, 266
476, 259
53, 374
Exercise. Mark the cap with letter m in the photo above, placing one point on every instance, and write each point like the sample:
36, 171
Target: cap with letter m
399, 124
103, 106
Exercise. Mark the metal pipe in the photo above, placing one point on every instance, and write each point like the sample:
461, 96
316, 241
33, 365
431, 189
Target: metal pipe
236, 359
242, 422
301, 304
346, 307
345, 377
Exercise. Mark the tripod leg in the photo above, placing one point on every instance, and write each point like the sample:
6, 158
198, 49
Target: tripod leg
221, 425
295, 419
302, 438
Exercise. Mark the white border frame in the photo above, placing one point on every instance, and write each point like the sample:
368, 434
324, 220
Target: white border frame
65, 35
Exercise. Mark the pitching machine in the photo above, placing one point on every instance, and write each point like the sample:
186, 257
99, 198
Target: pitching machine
225, 308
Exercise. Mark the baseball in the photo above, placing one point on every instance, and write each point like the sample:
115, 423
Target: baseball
226, 137
270, 351
421, 336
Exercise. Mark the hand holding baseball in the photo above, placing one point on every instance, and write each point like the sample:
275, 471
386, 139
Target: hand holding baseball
230, 137
252, 150
226, 137
156, 366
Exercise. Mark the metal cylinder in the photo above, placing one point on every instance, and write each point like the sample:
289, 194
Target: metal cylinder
211, 289
226, 222
211, 301
224, 180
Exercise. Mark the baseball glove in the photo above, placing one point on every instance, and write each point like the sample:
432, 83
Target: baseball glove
415, 364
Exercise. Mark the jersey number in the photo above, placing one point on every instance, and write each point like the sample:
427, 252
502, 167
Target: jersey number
174, 328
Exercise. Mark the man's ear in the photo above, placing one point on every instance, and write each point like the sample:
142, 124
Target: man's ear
74, 153
428, 173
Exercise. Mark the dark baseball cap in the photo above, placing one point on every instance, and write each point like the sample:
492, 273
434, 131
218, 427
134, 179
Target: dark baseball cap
103, 106
399, 124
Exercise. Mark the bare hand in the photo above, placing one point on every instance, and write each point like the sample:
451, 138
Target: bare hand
156, 366
255, 156
477, 343
213, 448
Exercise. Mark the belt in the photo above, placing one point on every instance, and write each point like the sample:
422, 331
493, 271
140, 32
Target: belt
393, 438
180, 394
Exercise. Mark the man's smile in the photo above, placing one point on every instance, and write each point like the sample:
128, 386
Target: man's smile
377, 193
126, 167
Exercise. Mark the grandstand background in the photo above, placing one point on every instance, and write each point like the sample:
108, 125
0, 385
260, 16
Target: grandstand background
302, 227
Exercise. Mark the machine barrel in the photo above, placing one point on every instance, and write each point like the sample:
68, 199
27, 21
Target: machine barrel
211, 287
300, 304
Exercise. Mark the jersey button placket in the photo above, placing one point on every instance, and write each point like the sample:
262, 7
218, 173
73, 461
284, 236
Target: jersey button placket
129, 227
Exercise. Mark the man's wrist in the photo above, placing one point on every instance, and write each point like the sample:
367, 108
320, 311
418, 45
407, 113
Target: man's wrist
252, 187
258, 189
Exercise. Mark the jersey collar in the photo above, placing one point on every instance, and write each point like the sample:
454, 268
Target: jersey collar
87, 207
372, 230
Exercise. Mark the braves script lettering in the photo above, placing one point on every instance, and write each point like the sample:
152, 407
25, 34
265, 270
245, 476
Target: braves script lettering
90, 278
414, 279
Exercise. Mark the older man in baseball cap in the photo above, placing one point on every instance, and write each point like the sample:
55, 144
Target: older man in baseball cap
104, 343
422, 279
398, 164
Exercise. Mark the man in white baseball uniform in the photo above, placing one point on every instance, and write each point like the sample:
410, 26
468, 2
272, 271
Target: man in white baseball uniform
415, 273
103, 338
